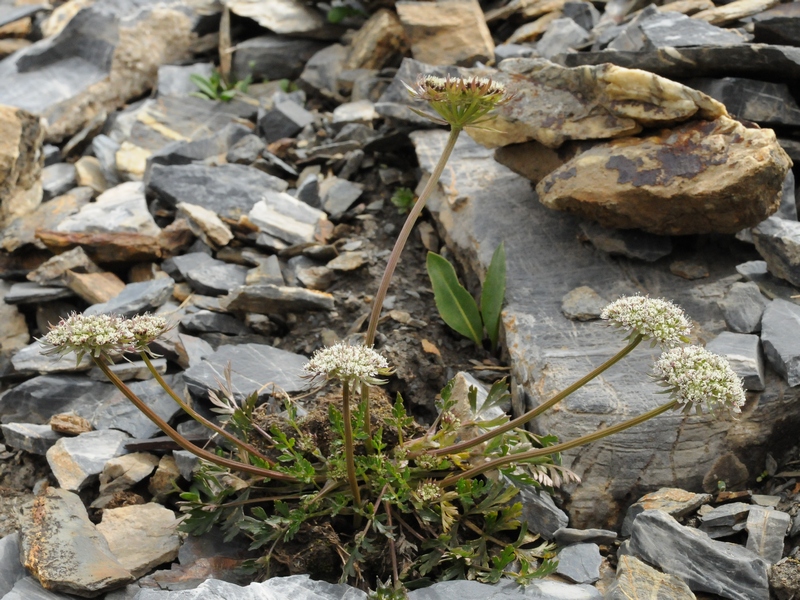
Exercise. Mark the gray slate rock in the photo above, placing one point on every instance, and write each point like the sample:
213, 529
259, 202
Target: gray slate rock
63, 546
205, 321
120, 413
246, 151
175, 80
672, 501
286, 218
120, 209
772, 287
743, 352
634, 576
541, 513
562, 35
285, 120
728, 570
77, 461
743, 307
765, 103
136, 298
725, 520
36, 439
228, 190
29, 292
338, 195
580, 563
631, 243
30, 360
758, 61
194, 149
778, 242
322, 70
671, 30
273, 57
252, 366
274, 299
11, 570
766, 529
38, 399
135, 369
505, 590
105, 149
209, 276
583, 13
566, 536
57, 179
780, 336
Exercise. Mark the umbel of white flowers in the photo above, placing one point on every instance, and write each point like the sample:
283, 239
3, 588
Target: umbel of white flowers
652, 318
349, 363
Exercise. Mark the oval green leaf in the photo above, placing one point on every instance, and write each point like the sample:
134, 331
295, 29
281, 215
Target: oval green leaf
456, 305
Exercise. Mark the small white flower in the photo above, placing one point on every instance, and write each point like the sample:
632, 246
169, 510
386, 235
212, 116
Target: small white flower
652, 318
145, 328
348, 363
696, 376
428, 491
95, 335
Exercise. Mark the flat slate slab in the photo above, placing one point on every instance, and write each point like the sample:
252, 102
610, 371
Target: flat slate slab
253, 366
484, 203
136, 298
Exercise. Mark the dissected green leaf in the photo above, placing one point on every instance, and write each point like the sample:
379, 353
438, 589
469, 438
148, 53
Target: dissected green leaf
456, 305
493, 294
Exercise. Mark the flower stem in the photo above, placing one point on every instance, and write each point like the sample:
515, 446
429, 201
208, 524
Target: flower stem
563, 447
182, 441
349, 454
199, 418
533, 413
394, 257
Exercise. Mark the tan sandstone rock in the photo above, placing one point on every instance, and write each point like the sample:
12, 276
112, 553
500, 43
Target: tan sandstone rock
378, 40
446, 32
702, 177
553, 104
21, 161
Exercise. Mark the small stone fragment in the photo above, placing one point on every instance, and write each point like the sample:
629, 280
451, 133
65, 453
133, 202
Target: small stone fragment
780, 336
725, 520
633, 576
123, 472
141, 536
31, 292
205, 321
57, 179
582, 304
94, 288
348, 261
541, 513
766, 528
580, 563
77, 461
54, 270
206, 225
743, 307
566, 536
36, 439
778, 242
69, 424
162, 483
272, 299
338, 195
136, 298
784, 578
285, 120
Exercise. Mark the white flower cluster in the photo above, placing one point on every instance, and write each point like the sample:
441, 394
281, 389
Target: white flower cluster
348, 363
428, 491
652, 318
98, 335
697, 376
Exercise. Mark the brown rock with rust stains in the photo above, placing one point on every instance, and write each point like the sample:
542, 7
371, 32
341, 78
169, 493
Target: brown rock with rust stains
104, 247
21, 161
446, 32
702, 177
63, 549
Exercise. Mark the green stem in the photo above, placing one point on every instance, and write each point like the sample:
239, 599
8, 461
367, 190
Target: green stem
349, 454
182, 441
563, 447
201, 419
535, 412
394, 257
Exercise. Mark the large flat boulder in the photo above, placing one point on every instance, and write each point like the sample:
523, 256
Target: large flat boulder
484, 203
